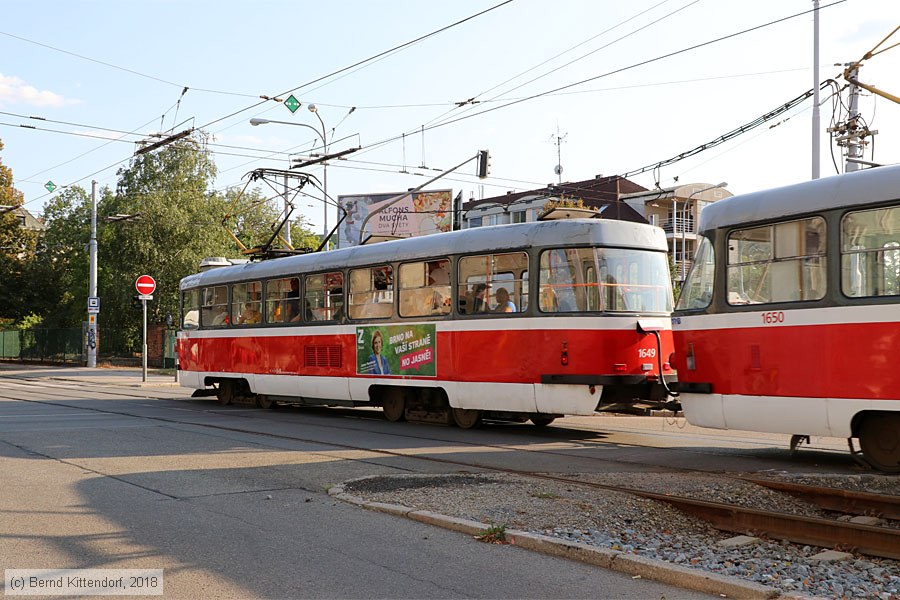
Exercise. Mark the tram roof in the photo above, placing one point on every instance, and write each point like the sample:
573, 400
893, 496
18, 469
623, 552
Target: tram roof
605, 232
850, 189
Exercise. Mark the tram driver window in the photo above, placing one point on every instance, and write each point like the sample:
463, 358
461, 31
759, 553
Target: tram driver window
870, 253
784, 262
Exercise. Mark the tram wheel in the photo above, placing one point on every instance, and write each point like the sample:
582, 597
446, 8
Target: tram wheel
264, 401
879, 440
394, 405
542, 421
466, 418
225, 393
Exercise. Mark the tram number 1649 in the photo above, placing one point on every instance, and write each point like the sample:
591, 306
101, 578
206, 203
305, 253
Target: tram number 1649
646, 352
772, 317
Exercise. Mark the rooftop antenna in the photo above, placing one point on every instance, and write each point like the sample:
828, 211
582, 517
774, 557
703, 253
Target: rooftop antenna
557, 139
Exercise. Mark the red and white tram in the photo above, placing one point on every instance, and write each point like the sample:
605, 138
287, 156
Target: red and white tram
790, 318
513, 322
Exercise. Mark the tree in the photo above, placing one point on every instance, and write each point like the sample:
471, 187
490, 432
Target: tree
58, 276
17, 247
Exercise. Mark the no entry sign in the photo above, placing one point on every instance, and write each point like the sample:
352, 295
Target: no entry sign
145, 285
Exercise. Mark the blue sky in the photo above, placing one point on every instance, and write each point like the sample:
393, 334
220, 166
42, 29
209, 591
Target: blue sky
99, 65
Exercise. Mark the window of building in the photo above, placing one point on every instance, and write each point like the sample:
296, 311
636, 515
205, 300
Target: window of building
190, 309
519, 216
493, 283
870, 253
784, 262
325, 296
372, 293
283, 300
214, 307
246, 303
425, 288
475, 222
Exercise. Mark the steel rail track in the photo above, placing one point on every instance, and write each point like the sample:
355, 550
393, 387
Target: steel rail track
827, 533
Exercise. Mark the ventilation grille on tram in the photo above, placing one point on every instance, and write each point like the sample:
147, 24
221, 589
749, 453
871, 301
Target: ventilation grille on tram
323, 356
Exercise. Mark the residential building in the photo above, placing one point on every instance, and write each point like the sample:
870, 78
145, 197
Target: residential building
601, 193
677, 211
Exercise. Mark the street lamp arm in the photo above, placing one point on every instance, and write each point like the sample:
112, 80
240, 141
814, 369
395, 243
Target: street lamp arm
255, 122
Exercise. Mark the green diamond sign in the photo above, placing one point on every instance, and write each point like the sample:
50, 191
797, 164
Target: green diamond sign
50, 186
292, 103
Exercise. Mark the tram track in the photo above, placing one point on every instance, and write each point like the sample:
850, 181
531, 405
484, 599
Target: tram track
824, 532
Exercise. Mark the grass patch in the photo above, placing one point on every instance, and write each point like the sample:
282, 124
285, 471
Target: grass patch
495, 534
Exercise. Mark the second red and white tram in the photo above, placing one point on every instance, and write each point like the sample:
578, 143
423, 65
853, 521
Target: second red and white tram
513, 322
789, 321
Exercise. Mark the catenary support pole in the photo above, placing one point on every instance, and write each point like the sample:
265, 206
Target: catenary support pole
92, 282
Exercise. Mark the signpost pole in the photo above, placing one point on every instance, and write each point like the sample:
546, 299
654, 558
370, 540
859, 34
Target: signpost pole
144, 352
145, 285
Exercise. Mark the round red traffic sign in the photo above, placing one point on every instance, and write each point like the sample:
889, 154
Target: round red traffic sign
145, 285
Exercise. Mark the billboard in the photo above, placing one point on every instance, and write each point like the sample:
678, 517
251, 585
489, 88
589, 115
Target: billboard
417, 213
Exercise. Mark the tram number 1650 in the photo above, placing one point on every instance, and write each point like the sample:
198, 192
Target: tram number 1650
773, 317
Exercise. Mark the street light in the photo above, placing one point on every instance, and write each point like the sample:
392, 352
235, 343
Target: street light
684, 215
312, 107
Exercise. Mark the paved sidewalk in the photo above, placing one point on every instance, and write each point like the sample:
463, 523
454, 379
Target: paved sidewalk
119, 376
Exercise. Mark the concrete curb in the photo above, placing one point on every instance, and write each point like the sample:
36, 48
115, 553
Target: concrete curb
631, 564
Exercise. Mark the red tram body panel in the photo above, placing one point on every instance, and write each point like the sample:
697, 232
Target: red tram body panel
790, 318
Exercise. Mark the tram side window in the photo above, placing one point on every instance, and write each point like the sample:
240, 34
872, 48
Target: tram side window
425, 288
190, 309
283, 300
784, 262
325, 296
698, 288
493, 283
246, 303
214, 307
870, 253
371, 293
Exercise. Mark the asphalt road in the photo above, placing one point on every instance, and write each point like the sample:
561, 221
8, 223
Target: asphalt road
111, 477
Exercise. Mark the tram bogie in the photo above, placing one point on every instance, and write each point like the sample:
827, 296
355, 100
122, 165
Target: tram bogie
790, 317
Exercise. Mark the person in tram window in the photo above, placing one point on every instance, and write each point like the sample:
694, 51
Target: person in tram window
549, 300
221, 317
504, 304
379, 363
293, 302
250, 315
478, 292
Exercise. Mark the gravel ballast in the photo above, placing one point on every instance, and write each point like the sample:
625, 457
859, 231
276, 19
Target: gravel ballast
642, 527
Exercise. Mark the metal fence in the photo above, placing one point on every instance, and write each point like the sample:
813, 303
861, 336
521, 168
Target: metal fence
68, 345
42, 345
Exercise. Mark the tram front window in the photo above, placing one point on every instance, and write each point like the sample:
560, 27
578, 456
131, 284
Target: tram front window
604, 280
697, 290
